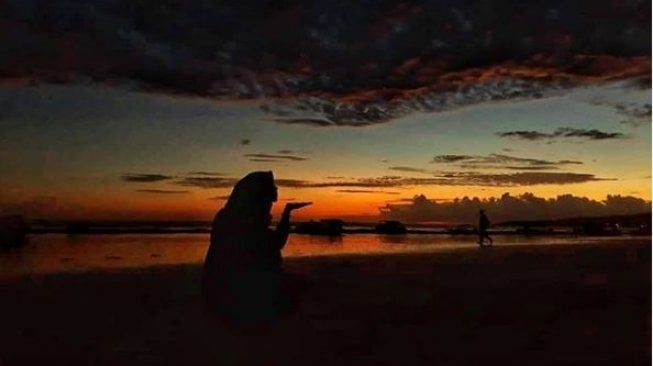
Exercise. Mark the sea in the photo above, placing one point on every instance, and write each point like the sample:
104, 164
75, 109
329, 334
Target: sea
64, 253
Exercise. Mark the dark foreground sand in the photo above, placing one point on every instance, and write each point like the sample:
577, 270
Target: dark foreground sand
588, 304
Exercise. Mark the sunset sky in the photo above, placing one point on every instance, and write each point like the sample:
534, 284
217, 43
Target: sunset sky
154, 110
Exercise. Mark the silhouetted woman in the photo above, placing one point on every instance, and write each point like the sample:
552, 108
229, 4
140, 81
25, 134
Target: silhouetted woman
242, 278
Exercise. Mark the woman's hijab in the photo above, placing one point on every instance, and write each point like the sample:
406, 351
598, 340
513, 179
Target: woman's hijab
237, 276
251, 199
241, 225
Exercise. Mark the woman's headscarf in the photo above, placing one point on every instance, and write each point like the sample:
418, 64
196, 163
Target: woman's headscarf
251, 199
237, 272
240, 228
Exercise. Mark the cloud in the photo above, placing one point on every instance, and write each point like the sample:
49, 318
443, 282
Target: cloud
500, 161
632, 114
409, 169
523, 167
635, 115
642, 82
476, 171
199, 179
526, 135
161, 191
371, 108
325, 112
210, 174
451, 179
522, 179
207, 182
449, 91
304, 121
523, 207
226, 197
365, 191
563, 132
218, 198
589, 134
479, 165
285, 152
274, 157
263, 160
292, 183
450, 158
327, 65
145, 178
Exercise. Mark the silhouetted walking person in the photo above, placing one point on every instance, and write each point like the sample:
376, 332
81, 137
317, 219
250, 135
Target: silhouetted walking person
242, 277
483, 225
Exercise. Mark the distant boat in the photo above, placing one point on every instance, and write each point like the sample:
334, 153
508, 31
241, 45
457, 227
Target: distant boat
331, 227
75, 228
390, 227
464, 229
13, 231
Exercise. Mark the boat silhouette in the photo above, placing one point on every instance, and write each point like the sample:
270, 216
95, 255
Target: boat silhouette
390, 227
329, 227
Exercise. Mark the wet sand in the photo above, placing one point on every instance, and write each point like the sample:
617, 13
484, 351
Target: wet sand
582, 304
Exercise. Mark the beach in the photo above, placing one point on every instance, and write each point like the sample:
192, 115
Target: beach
536, 304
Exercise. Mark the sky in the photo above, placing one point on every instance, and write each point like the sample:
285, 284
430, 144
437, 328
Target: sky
152, 110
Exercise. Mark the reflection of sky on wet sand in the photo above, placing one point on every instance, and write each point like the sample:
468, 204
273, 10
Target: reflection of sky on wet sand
57, 253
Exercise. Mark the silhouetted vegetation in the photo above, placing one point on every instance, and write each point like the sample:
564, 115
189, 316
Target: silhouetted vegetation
330, 227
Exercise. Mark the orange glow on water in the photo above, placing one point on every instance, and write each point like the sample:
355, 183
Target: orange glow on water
57, 253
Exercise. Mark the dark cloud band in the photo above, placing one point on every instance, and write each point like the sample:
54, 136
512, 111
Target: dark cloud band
364, 191
500, 161
145, 178
161, 191
453, 179
363, 63
274, 157
562, 133
207, 182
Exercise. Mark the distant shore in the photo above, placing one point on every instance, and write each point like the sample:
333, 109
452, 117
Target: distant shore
541, 304
638, 224
108, 231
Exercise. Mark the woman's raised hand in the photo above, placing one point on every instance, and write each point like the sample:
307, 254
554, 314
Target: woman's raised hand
290, 206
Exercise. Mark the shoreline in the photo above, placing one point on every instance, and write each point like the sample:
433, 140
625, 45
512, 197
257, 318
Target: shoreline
129, 252
435, 231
